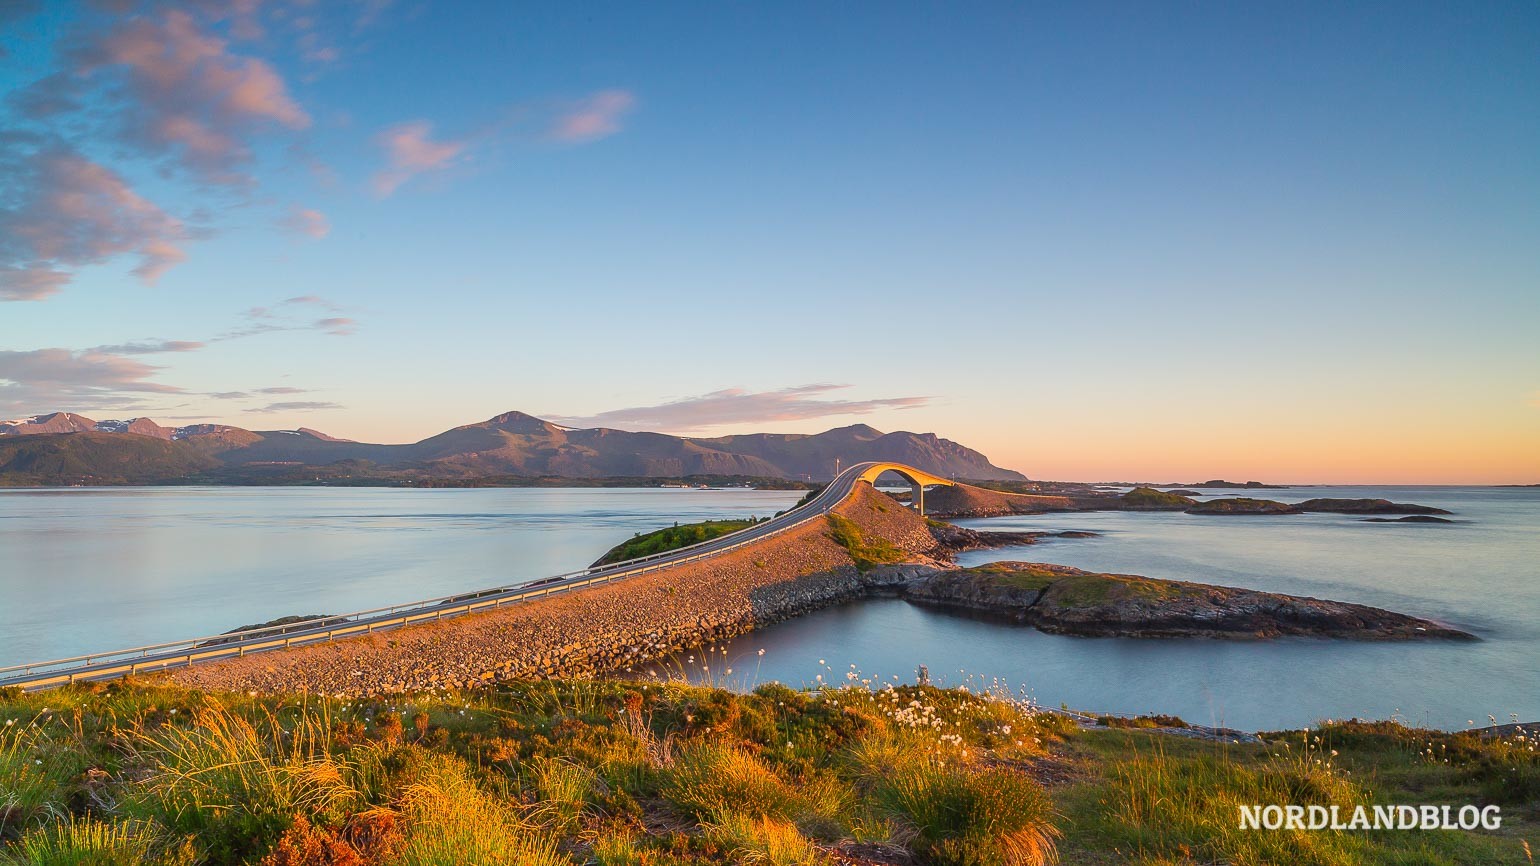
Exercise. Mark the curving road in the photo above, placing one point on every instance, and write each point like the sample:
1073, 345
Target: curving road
163, 656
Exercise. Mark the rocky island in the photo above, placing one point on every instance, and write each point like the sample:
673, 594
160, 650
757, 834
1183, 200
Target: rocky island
1065, 600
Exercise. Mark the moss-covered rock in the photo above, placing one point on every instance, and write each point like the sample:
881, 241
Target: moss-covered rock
1058, 598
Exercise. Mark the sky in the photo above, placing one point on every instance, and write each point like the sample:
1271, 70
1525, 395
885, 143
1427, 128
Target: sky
1287, 242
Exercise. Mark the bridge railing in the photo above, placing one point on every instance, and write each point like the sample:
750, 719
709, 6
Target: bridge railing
179, 653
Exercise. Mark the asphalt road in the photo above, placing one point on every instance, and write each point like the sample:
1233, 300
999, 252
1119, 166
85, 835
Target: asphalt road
113, 664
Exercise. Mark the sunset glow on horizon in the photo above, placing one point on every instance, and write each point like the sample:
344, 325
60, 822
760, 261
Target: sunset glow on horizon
1097, 244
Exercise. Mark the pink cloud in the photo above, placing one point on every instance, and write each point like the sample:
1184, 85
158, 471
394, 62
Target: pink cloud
55, 378
306, 221
337, 326
739, 406
73, 212
409, 151
30, 282
175, 90
594, 118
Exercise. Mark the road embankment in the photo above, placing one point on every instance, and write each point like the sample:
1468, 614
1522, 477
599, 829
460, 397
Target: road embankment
605, 628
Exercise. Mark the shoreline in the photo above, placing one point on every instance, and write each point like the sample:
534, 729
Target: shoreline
613, 628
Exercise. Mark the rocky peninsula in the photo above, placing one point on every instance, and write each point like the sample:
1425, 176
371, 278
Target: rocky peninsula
1064, 600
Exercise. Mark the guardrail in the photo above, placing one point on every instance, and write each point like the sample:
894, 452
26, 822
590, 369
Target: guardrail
180, 653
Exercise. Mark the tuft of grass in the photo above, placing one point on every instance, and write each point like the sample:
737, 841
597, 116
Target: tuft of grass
714, 782
452, 821
88, 842
564, 787
764, 840
965, 817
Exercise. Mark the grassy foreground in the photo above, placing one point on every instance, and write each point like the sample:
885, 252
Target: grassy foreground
575, 772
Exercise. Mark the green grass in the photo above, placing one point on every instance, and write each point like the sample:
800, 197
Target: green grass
1085, 590
1019, 577
1152, 799
671, 538
868, 553
664, 774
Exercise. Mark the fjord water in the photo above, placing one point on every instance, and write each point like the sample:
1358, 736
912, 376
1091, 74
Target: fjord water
1480, 574
84, 570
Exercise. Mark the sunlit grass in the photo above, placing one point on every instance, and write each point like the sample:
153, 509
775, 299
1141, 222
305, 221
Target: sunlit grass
659, 771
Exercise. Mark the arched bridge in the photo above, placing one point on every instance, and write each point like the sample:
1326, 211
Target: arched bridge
174, 654
918, 479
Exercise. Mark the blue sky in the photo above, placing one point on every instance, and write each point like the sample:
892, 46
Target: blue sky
1113, 241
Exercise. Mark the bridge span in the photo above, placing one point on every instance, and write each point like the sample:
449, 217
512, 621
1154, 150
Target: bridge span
174, 654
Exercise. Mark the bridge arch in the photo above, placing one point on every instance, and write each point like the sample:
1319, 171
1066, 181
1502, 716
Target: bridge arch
918, 480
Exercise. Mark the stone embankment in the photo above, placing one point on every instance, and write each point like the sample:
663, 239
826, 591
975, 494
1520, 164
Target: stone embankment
612, 627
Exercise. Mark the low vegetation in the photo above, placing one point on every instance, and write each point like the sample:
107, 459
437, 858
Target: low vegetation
867, 552
671, 538
539, 773
580, 772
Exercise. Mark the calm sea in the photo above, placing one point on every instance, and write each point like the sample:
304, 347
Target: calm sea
83, 570
1481, 574
92, 569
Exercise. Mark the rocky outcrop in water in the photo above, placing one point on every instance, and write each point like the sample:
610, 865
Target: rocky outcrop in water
1242, 505
1415, 518
1366, 506
1065, 600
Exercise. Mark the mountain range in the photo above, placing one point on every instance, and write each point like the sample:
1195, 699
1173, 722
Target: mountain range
65, 448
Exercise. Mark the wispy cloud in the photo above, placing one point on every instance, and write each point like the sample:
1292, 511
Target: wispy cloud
70, 212
112, 376
293, 314
44, 379
595, 117
149, 347
738, 406
295, 406
410, 151
306, 221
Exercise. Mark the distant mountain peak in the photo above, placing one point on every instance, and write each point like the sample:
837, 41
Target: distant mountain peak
520, 422
512, 443
317, 434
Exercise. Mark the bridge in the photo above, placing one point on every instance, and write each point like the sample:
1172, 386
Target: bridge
175, 654
918, 480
